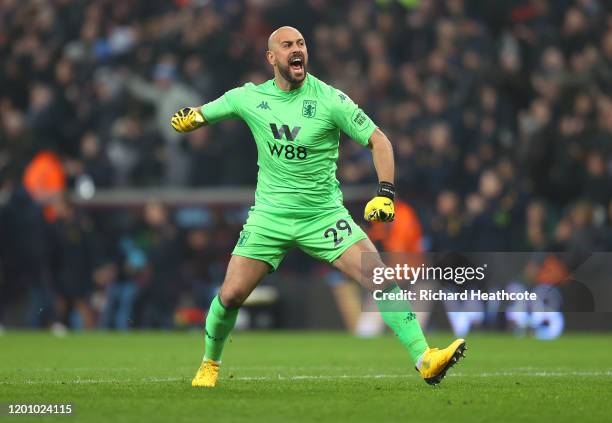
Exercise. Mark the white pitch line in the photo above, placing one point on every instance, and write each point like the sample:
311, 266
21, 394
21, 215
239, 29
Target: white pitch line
607, 373
91, 381
455, 374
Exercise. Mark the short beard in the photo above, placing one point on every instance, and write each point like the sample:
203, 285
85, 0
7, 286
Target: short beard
286, 74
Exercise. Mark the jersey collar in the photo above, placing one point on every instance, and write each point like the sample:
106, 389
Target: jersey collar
292, 92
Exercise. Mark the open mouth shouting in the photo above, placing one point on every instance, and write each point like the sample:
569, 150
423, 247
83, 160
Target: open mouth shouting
296, 64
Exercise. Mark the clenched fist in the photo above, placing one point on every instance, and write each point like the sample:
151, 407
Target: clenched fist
187, 119
381, 208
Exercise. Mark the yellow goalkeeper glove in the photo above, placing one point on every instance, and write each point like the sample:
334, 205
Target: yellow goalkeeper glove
380, 208
187, 119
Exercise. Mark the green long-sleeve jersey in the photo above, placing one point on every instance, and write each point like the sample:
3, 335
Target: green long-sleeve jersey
297, 134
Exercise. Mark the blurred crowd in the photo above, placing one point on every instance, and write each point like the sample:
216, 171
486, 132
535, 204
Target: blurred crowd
154, 267
500, 113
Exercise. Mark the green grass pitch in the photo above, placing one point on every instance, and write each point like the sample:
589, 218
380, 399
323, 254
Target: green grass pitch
308, 376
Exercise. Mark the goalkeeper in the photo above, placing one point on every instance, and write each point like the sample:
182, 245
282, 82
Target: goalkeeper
296, 121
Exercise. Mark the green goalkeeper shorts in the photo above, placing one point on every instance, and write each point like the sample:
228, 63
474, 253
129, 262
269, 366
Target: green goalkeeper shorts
268, 235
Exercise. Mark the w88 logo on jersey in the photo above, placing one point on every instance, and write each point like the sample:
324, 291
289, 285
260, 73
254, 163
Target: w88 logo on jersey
287, 151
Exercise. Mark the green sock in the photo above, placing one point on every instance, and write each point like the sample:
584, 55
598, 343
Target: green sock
219, 323
399, 317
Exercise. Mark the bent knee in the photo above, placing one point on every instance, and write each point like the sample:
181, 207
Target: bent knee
369, 267
233, 297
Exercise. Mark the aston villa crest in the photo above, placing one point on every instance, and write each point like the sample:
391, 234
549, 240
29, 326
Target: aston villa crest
309, 109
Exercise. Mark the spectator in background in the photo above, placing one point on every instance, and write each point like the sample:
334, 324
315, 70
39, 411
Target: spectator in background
74, 259
438, 161
608, 224
204, 159
198, 267
18, 144
24, 255
585, 236
603, 68
489, 228
447, 227
121, 282
597, 187
561, 235
45, 179
135, 154
537, 227
198, 76
95, 162
167, 95
159, 240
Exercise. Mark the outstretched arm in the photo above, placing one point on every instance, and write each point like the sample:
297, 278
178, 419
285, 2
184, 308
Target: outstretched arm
189, 118
380, 208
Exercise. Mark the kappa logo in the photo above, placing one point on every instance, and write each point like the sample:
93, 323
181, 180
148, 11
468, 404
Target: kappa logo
284, 129
410, 317
264, 106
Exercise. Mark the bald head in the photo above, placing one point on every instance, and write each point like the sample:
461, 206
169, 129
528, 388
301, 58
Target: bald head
283, 33
288, 55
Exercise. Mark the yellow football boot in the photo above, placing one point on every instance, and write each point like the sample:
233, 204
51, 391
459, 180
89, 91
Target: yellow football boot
207, 375
436, 362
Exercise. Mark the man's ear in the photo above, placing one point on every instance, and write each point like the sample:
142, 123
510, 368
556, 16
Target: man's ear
270, 57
